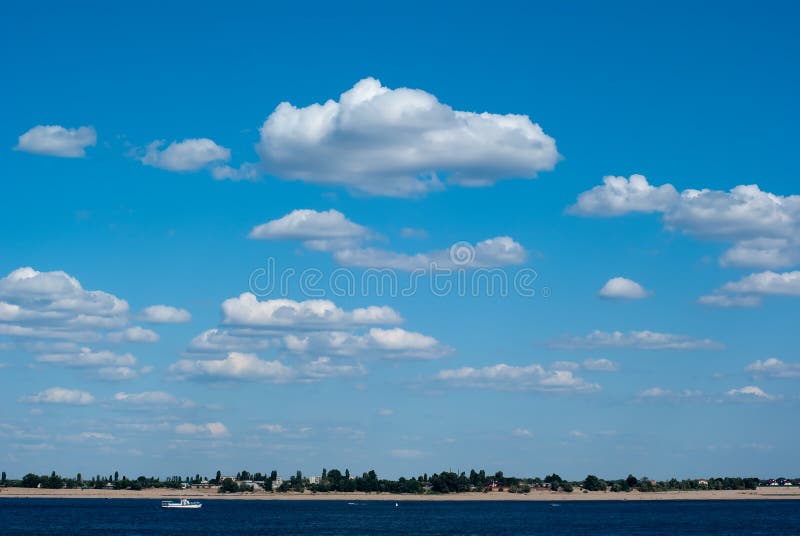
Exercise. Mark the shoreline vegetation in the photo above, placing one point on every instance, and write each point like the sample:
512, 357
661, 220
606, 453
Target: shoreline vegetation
448, 486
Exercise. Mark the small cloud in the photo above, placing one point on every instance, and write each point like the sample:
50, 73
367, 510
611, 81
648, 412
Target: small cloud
521, 432
55, 140
213, 429
245, 172
641, 340
750, 392
726, 301
94, 436
273, 428
385, 412
151, 398
165, 314
134, 334
577, 434
522, 378
186, 155
654, 392
60, 395
774, 368
603, 365
623, 288
120, 373
661, 393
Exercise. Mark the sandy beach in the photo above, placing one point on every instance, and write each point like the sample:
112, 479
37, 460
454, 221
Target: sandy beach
543, 495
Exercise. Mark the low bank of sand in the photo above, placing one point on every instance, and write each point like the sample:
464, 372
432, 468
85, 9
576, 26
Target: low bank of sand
158, 494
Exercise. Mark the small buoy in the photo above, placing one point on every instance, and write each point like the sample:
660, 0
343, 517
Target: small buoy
396, 505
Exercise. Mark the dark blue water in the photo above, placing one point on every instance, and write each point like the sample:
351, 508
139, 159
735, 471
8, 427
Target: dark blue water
139, 516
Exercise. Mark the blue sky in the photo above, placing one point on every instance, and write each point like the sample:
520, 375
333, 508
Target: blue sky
615, 160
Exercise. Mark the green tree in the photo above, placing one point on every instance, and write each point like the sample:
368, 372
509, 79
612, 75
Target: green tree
3, 479
30, 481
592, 483
219, 477
553, 478
228, 486
116, 476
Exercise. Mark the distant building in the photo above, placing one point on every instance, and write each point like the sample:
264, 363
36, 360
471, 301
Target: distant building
278, 482
702, 482
314, 479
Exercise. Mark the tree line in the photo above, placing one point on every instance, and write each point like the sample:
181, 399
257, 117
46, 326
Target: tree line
335, 480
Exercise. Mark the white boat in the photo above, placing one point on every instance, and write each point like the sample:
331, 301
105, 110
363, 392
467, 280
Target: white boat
183, 503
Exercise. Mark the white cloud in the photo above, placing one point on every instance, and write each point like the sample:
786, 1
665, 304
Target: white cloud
385, 412
762, 253
509, 377
30, 297
213, 429
273, 428
323, 367
95, 436
619, 195
332, 231
310, 225
50, 312
245, 172
769, 283
747, 291
577, 434
763, 227
623, 288
186, 155
494, 252
134, 334
55, 140
661, 393
165, 314
395, 343
236, 366
604, 365
150, 398
774, 368
642, 340
86, 357
60, 395
248, 367
654, 392
222, 341
246, 310
117, 373
521, 432
722, 300
750, 391
400, 142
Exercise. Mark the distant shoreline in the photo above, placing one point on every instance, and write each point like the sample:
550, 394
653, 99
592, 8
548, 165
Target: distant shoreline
535, 495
